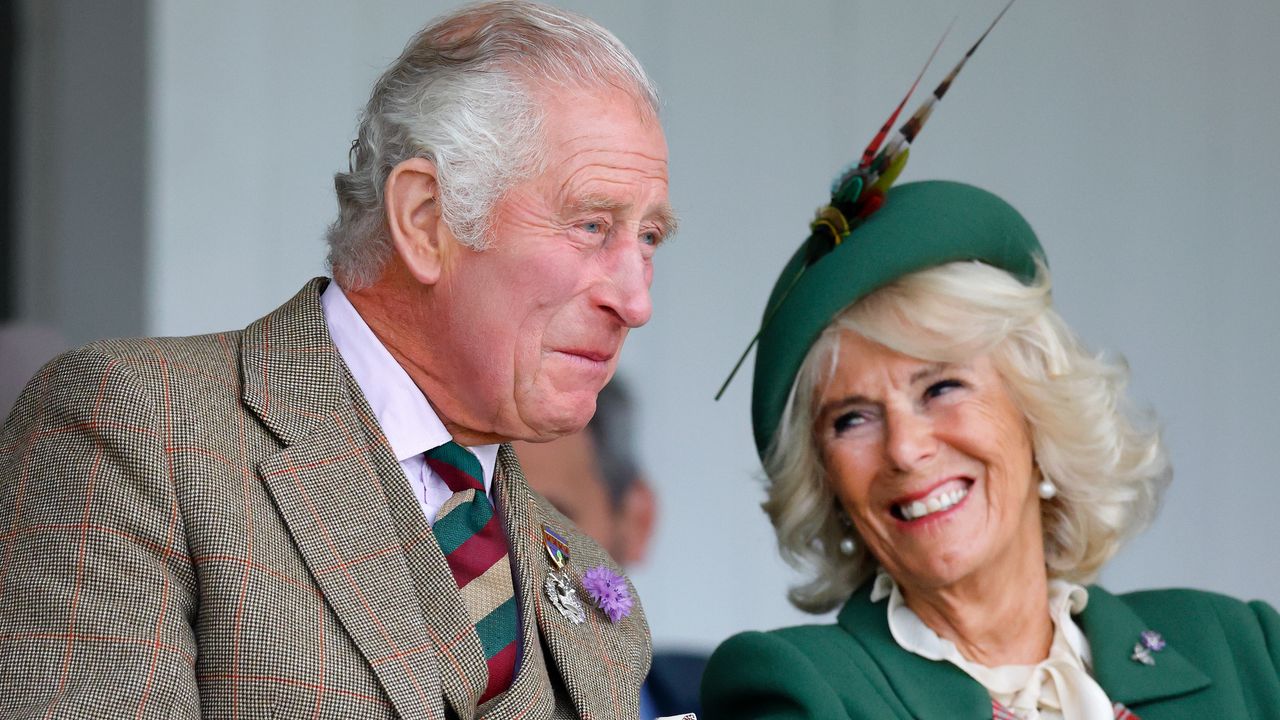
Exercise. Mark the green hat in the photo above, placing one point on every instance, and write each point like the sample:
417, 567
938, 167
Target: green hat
919, 225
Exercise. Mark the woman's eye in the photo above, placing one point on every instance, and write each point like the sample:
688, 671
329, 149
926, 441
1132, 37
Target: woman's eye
848, 421
942, 388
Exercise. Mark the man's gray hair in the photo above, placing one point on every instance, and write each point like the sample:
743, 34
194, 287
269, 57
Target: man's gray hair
612, 433
462, 95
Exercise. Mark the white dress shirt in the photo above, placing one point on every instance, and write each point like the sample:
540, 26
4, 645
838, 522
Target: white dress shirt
1057, 688
406, 418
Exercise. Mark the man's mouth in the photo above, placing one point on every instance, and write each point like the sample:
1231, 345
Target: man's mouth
592, 355
938, 500
595, 356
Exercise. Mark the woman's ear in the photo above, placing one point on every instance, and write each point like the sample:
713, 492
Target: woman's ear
414, 222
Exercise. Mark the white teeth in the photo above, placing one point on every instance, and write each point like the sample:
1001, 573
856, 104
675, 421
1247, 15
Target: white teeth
937, 503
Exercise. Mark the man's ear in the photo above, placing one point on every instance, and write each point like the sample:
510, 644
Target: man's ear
414, 221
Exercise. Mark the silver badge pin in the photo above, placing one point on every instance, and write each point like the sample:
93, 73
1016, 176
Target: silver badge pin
1142, 654
565, 599
558, 584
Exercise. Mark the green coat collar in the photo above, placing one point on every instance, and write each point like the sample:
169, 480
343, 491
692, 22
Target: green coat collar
1112, 628
938, 689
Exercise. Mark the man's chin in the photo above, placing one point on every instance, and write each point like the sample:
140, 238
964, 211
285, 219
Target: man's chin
563, 415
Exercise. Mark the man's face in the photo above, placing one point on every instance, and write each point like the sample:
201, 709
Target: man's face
533, 324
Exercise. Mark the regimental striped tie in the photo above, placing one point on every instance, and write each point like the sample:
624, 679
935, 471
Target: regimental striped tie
473, 542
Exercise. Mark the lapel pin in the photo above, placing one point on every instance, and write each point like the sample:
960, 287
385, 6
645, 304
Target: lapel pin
608, 590
558, 585
1149, 642
1152, 640
1142, 655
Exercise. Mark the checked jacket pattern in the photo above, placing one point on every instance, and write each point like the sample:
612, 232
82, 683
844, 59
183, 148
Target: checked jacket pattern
216, 527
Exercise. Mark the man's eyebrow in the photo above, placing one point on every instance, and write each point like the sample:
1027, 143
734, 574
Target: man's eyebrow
663, 214
595, 203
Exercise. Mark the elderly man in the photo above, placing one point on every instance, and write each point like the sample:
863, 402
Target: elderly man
594, 478
313, 517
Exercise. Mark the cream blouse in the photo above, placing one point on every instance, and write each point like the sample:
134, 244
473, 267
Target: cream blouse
1057, 688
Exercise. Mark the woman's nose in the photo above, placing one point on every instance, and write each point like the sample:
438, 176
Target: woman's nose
910, 442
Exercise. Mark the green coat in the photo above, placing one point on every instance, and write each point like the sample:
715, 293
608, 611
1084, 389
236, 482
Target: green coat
1221, 661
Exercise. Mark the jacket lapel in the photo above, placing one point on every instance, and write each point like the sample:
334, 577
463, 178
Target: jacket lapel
1112, 629
587, 658
453, 642
928, 688
328, 483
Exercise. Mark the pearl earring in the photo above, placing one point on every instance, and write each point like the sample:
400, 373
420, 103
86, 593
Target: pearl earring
1047, 489
847, 546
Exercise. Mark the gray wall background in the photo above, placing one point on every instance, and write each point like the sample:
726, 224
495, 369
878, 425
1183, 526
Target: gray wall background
178, 179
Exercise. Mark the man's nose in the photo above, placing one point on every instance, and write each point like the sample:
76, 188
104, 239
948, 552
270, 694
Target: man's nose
625, 289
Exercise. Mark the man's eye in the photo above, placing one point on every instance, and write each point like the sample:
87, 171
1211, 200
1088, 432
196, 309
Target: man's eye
653, 237
594, 227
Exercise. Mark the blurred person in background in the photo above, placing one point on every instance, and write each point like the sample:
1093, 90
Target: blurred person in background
594, 478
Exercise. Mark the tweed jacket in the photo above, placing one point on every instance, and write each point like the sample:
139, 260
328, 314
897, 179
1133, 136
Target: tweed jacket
216, 526
1221, 661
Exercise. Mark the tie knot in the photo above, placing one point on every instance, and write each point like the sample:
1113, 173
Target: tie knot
457, 466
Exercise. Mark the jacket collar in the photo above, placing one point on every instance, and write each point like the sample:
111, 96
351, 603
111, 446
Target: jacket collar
1113, 628
939, 689
928, 688
293, 375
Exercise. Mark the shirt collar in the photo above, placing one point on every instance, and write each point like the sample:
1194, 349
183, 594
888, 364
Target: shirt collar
911, 634
406, 418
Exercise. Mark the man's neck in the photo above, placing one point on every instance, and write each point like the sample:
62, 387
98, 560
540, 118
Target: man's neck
400, 328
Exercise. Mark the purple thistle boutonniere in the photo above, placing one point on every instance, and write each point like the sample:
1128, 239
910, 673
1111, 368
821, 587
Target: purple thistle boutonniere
608, 590
1153, 640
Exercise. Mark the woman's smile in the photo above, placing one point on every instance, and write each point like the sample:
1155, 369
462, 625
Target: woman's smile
932, 504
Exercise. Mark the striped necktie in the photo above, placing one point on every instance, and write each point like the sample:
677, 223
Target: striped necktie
473, 542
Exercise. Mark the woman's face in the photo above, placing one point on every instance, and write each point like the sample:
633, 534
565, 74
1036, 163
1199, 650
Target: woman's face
933, 463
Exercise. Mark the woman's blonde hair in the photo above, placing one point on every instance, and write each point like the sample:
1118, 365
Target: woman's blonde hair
1106, 459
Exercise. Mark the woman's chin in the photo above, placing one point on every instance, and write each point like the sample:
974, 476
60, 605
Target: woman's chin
939, 549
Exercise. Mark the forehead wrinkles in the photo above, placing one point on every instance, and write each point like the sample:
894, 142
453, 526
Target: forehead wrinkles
583, 182
621, 141
615, 159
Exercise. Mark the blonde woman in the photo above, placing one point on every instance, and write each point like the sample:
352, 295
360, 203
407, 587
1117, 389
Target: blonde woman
952, 468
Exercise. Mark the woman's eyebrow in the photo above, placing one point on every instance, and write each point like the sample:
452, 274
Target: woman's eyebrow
931, 370
839, 402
